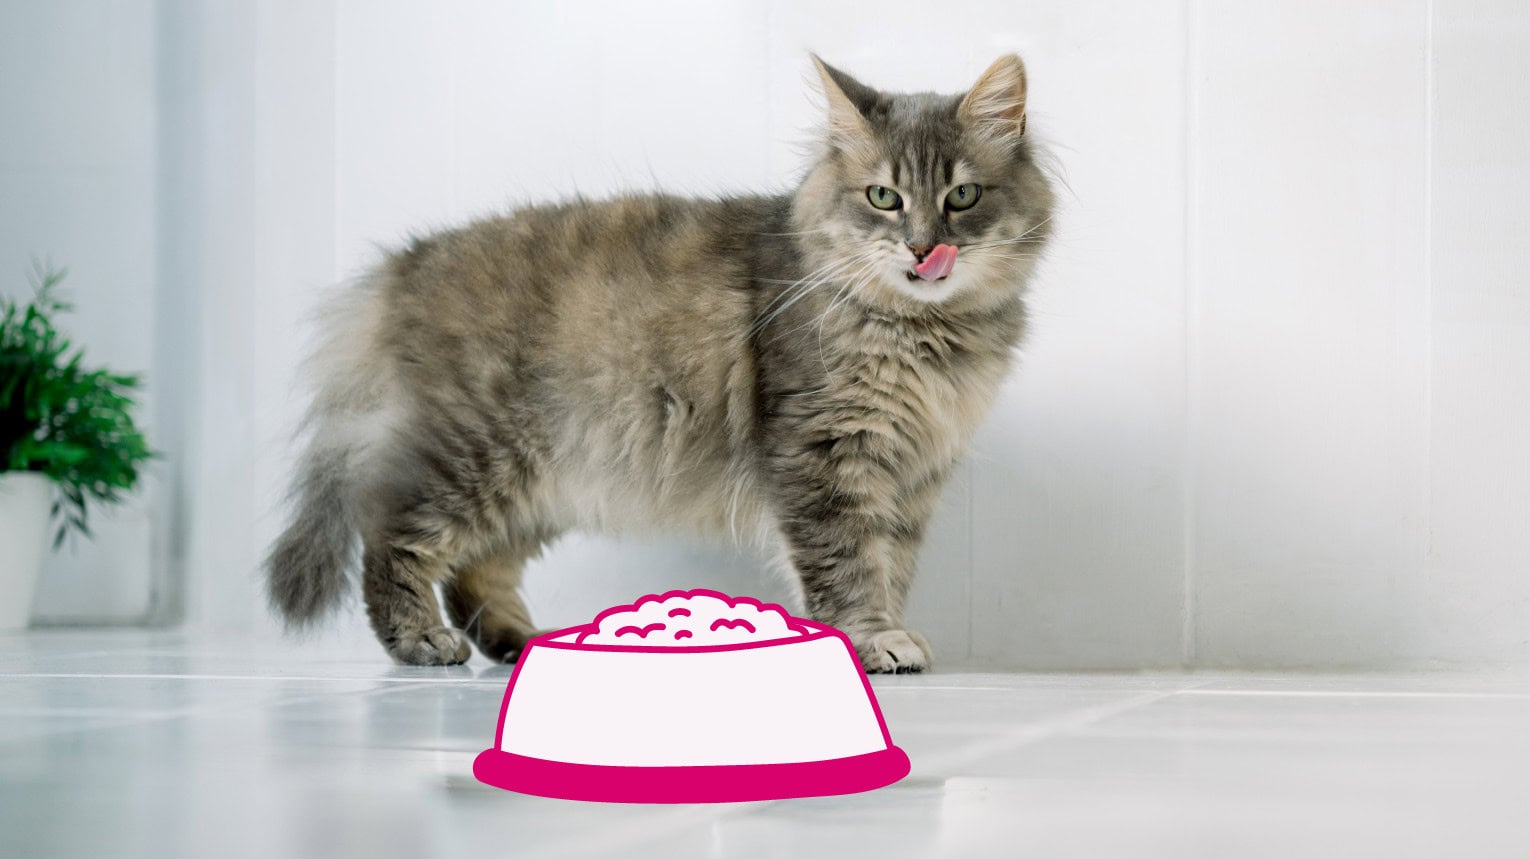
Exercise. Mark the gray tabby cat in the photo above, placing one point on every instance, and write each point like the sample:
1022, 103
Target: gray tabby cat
801, 370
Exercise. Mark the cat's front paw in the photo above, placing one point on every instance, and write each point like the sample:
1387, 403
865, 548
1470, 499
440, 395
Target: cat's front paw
893, 651
439, 646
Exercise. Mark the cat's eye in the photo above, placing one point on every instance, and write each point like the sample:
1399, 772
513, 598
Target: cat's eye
963, 197
885, 199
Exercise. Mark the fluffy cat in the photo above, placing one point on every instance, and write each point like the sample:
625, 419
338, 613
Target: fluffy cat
803, 369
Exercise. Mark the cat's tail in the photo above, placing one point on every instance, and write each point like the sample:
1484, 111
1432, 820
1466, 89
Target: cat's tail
308, 571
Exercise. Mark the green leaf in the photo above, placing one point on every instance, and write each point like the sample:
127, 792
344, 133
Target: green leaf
60, 417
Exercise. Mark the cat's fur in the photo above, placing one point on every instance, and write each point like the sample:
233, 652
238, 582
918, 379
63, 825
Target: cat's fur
762, 367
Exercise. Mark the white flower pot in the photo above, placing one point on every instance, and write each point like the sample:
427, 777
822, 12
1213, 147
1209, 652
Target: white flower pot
26, 499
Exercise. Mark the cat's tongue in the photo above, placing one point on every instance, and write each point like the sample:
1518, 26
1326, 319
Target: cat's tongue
938, 264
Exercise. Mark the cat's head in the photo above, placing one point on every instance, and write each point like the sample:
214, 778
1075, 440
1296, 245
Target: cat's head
934, 198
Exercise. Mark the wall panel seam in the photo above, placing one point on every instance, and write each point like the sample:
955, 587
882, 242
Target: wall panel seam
1191, 355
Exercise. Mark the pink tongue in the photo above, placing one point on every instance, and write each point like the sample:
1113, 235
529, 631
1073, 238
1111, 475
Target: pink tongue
938, 264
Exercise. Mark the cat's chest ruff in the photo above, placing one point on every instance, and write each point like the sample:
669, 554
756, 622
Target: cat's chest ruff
917, 387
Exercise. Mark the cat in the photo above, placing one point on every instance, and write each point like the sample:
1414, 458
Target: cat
802, 370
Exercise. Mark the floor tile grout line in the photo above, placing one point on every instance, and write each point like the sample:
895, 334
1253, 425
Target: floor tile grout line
295, 678
1039, 688
89, 654
1317, 693
1047, 728
601, 842
189, 712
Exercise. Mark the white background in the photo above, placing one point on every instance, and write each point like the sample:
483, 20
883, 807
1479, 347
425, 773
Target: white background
1273, 412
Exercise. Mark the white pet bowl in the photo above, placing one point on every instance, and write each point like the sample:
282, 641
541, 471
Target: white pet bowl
770, 719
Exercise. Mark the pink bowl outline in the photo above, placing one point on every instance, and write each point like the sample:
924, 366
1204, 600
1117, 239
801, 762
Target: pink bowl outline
701, 782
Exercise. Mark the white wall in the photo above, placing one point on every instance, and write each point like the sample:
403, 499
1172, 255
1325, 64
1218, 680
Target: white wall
77, 188
1272, 410
1474, 591
1308, 331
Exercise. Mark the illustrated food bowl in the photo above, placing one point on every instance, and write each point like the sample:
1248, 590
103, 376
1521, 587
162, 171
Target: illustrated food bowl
660, 701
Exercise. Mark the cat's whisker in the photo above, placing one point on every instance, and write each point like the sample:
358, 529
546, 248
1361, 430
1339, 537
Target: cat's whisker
868, 256
1038, 225
800, 293
822, 318
1003, 244
845, 294
1008, 242
822, 270
839, 297
1027, 237
849, 292
1022, 238
786, 299
834, 271
816, 231
468, 627
810, 322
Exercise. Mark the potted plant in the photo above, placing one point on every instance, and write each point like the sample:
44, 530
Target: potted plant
67, 440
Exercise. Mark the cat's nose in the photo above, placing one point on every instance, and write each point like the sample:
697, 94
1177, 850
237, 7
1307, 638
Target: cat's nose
920, 251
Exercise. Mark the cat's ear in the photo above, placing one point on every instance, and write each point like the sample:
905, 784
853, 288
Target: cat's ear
849, 103
996, 103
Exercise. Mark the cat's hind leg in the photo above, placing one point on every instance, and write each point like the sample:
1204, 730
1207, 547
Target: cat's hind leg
483, 600
398, 578
402, 563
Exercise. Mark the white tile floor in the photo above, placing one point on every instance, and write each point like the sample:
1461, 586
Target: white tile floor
150, 744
